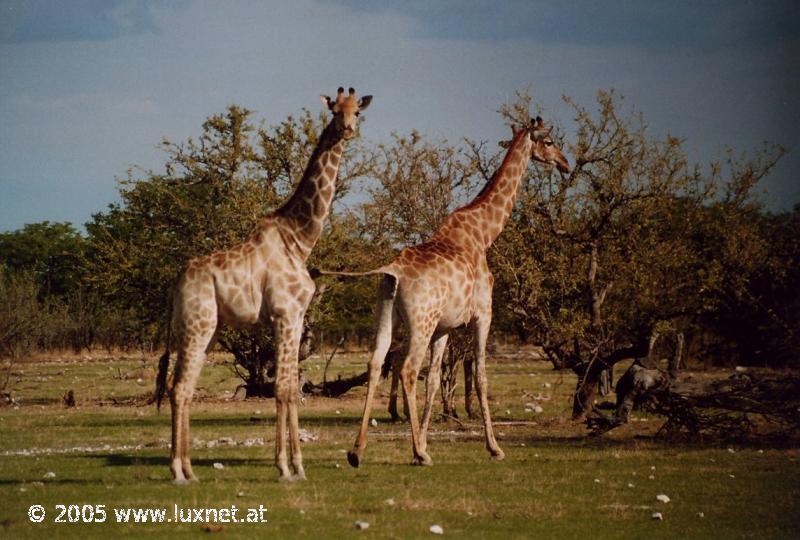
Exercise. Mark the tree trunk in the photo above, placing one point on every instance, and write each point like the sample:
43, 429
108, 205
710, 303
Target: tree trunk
589, 374
469, 386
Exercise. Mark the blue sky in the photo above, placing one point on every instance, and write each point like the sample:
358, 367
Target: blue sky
88, 88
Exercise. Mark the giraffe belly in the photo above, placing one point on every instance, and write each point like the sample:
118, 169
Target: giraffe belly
457, 313
239, 306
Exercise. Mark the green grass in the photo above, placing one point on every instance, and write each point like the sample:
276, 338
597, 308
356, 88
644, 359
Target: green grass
554, 482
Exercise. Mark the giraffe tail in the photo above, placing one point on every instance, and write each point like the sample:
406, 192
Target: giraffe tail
161, 379
163, 363
386, 270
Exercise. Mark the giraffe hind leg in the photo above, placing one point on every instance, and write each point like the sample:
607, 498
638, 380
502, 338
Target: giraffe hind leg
383, 339
191, 356
434, 378
417, 346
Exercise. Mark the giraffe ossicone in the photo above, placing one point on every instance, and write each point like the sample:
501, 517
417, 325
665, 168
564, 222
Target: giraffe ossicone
262, 280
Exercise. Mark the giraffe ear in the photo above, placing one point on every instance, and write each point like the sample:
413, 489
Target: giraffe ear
364, 102
539, 129
327, 101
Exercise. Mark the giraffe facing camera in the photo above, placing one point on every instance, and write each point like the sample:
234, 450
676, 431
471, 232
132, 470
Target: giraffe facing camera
262, 281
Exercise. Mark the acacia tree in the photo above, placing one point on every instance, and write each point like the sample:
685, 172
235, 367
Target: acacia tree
593, 263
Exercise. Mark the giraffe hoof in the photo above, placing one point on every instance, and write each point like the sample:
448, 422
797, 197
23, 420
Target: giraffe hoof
291, 478
498, 455
353, 459
180, 482
422, 461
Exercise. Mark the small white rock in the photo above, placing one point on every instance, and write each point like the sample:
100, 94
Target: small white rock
651, 477
596, 480
652, 467
240, 494
373, 423
218, 465
389, 502
631, 485
663, 498
701, 515
50, 474
732, 476
547, 385
340, 412
731, 450
337, 466
436, 529
302, 512
306, 436
761, 451
508, 412
361, 525
657, 515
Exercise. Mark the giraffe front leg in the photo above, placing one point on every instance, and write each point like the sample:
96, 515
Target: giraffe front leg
294, 421
481, 333
281, 416
434, 379
287, 331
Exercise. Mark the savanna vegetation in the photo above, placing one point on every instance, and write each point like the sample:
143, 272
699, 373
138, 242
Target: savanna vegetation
635, 245
633, 241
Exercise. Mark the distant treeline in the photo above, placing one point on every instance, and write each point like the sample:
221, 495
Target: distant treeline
635, 240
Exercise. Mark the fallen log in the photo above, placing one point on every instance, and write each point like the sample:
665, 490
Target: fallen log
744, 404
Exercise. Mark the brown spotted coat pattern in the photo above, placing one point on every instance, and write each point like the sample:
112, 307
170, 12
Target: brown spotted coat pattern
445, 283
263, 280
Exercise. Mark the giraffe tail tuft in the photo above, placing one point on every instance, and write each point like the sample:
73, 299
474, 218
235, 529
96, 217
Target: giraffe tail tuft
161, 379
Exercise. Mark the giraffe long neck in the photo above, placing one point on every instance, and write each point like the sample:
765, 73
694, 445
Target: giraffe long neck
482, 220
306, 210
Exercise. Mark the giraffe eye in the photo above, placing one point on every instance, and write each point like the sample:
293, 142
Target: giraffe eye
358, 113
548, 143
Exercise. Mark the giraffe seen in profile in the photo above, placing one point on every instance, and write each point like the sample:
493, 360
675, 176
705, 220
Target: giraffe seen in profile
446, 283
263, 280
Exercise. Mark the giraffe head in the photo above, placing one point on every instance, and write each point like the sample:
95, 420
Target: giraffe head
345, 109
543, 149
